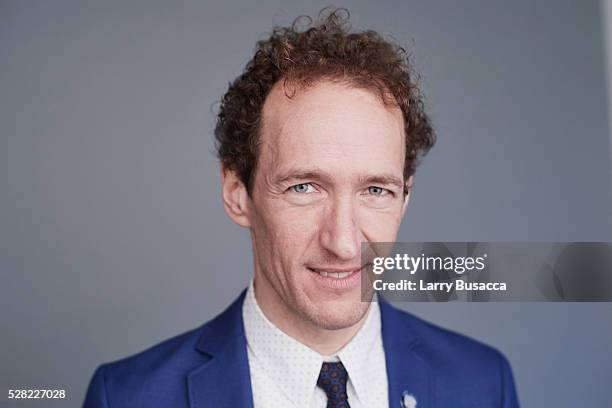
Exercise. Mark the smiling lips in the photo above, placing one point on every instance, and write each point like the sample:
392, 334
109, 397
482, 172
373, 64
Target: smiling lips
336, 273
337, 279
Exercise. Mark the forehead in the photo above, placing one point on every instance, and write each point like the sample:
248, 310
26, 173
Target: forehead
334, 126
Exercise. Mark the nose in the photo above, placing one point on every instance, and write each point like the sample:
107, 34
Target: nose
340, 232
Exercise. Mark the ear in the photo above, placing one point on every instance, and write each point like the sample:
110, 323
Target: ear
235, 197
407, 197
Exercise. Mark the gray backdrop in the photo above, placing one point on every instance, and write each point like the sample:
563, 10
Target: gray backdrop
113, 236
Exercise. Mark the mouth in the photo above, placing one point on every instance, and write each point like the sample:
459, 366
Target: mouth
335, 275
337, 278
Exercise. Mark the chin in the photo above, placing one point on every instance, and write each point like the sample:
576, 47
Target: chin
338, 315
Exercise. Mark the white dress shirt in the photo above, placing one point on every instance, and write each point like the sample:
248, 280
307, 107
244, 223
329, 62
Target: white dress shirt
284, 372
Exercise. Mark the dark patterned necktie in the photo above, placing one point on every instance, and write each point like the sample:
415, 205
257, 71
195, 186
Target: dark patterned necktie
332, 379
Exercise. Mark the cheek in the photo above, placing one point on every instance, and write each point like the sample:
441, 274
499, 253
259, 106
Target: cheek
298, 230
290, 233
380, 226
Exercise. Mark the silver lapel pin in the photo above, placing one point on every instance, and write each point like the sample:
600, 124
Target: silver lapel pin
408, 400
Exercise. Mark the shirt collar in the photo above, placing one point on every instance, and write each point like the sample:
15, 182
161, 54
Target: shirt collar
277, 353
355, 355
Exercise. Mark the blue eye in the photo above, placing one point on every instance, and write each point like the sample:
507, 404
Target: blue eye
302, 188
378, 191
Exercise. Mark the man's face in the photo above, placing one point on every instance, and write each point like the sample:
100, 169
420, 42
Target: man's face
329, 176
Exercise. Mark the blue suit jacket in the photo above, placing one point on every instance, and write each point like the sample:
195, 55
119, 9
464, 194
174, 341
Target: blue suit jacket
208, 368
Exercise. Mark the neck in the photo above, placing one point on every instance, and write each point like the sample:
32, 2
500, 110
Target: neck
325, 342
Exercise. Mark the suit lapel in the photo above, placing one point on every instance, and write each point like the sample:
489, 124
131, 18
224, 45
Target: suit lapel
408, 373
224, 380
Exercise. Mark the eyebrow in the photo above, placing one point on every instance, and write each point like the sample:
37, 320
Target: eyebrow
319, 174
302, 174
384, 179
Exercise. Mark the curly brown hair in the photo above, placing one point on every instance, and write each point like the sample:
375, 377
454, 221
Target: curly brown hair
324, 49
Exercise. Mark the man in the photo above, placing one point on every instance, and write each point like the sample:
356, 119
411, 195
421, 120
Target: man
318, 141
